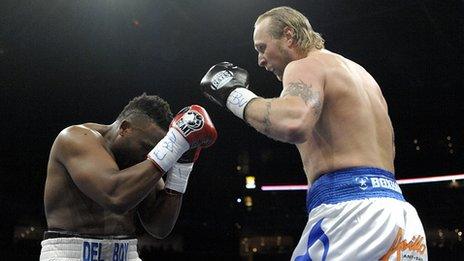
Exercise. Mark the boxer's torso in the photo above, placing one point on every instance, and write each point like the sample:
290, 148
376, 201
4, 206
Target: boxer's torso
67, 208
354, 128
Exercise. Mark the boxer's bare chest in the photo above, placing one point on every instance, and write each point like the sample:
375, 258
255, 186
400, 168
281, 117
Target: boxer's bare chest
70, 209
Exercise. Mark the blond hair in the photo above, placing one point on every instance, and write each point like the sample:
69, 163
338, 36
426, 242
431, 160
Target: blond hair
284, 16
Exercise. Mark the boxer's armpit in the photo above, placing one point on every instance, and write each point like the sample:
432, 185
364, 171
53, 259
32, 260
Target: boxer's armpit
307, 93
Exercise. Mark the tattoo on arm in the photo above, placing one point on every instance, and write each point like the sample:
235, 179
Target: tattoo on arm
306, 92
267, 118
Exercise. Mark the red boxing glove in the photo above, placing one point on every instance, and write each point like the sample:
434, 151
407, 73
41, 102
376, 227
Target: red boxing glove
191, 128
194, 123
183, 123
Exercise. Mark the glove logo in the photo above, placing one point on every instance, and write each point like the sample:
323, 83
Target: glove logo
191, 121
221, 78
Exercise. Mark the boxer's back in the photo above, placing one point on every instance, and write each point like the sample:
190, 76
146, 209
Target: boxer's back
354, 128
67, 208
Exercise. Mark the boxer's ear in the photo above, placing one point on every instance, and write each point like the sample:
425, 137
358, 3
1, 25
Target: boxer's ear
289, 35
124, 128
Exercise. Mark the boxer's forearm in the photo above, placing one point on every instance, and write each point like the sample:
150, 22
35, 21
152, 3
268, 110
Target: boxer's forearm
283, 119
158, 213
130, 186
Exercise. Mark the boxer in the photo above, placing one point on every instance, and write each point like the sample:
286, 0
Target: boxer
101, 177
333, 110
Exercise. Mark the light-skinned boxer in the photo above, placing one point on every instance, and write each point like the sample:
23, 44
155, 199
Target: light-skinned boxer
333, 110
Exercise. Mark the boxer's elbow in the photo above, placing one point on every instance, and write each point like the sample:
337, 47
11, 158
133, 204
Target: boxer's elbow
296, 133
154, 226
118, 202
117, 198
108, 198
296, 130
118, 205
160, 232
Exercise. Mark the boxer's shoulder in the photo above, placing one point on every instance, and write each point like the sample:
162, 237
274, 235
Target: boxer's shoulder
79, 133
323, 61
313, 68
78, 137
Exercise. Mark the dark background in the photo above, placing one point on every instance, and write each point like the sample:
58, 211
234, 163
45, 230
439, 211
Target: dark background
70, 62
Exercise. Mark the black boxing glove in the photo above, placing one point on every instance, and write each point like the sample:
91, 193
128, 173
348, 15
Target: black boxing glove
227, 85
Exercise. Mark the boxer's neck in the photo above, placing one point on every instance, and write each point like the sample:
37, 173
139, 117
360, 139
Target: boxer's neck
109, 132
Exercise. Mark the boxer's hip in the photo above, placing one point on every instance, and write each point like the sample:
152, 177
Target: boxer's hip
360, 214
352, 184
63, 245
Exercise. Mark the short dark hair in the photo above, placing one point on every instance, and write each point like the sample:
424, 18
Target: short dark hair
152, 106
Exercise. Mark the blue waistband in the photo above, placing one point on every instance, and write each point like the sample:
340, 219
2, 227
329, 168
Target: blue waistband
352, 184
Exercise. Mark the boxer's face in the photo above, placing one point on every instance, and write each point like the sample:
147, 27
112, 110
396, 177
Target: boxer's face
134, 143
273, 54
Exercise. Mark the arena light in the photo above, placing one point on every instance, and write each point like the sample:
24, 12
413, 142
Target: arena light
283, 187
248, 201
400, 181
250, 182
430, 179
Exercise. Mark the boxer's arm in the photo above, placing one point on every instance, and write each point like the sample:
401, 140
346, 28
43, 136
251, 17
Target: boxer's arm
291, 117
97, 175
159, 211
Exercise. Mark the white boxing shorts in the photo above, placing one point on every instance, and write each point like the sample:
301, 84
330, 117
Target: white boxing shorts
63, 246
360, 214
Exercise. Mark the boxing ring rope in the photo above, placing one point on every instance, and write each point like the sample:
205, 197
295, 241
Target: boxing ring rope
400, 182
